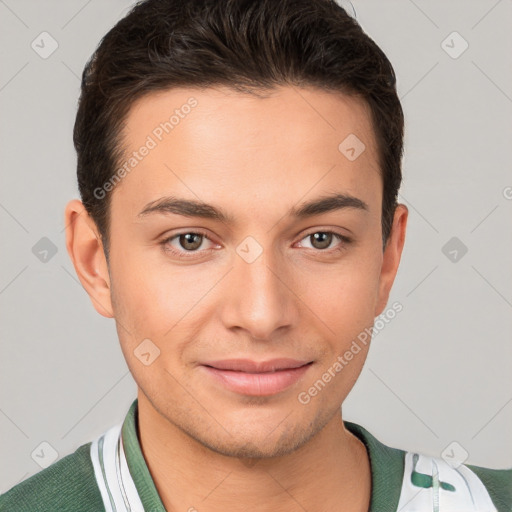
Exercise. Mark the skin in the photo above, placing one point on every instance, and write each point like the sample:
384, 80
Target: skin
256, 159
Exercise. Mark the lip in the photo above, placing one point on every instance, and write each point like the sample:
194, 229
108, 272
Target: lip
255, 378
250, 366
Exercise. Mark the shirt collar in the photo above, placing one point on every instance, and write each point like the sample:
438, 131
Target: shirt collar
387, 468
137, 464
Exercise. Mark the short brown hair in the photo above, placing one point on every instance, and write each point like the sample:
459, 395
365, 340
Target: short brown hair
248, 45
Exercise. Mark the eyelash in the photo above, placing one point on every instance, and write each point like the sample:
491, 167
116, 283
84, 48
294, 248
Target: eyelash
185, 254
345, 241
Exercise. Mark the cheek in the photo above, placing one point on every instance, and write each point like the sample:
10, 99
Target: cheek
156, 299
140, 297
343, 311
344, 298
146, 307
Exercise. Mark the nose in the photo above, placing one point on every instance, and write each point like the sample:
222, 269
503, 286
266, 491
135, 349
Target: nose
259, 298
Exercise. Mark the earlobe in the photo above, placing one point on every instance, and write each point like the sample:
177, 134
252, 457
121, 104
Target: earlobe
391, 257
85, 249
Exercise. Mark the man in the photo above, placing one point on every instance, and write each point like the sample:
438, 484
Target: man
238, 164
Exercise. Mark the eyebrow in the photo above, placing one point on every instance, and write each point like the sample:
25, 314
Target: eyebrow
193, 208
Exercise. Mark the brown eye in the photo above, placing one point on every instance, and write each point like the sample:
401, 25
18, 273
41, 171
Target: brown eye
190, 241
326, 242
321, 239
191, 244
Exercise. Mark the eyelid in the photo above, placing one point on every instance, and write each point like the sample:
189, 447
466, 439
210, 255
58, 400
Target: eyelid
165, 243
344, 238
196, 231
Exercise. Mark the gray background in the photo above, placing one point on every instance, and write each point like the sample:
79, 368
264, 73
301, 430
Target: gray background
438, 373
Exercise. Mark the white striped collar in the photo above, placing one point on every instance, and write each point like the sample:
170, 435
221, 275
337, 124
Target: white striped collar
112, 474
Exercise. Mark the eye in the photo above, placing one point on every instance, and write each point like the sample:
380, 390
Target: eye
190, 242
323, 240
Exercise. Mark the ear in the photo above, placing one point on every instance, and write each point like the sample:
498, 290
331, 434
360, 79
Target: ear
392, 255
85, 249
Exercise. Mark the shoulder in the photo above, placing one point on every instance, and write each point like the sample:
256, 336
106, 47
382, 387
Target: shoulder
412, 481
498, 483
67, 485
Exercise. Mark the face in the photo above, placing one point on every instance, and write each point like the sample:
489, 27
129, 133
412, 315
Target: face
246, 231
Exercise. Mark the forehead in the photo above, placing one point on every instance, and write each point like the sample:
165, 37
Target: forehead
208, 142
214, 113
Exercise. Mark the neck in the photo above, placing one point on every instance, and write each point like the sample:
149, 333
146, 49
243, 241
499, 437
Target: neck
329, 473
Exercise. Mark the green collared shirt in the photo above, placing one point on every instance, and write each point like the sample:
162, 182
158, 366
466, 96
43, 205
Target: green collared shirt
110, 474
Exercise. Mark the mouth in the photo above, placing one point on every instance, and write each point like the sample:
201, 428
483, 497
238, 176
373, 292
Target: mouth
250, 366
254, 378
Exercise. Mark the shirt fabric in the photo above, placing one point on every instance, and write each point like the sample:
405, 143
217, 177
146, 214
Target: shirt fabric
110, 474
